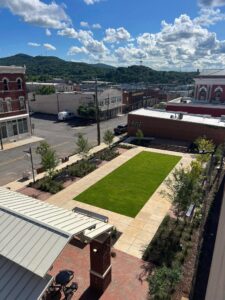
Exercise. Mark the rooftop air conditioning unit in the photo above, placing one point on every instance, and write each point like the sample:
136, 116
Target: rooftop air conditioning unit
222, 118
172, 117
180, 116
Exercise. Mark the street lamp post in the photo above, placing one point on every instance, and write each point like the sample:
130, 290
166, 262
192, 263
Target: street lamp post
97, 113
29, 152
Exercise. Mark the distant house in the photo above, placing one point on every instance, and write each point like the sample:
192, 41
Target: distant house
14, 115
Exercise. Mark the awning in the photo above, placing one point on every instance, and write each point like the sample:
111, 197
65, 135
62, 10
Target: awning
14, 117
17, 283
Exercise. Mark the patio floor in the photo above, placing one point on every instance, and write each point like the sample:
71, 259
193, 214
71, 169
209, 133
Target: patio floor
128, 274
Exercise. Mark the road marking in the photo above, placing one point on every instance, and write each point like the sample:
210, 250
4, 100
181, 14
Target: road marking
59, 145
12, 160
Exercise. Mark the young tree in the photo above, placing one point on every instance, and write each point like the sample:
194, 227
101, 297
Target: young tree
49, 159
139, 135
205, 148
108, 137
83, 146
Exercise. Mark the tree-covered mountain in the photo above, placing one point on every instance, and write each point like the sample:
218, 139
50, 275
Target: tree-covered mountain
45, 68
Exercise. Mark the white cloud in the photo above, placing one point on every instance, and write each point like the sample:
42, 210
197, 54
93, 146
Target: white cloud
49, 47
84, 24
90, 2
69, 32
33, 44
38, 13
116, 35
209, 16
212, 3
77, 50
96, 26
48, 32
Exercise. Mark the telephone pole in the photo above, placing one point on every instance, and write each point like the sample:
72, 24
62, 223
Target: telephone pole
97, 113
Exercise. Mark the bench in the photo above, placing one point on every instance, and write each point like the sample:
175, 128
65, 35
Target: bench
190, 211
91, 214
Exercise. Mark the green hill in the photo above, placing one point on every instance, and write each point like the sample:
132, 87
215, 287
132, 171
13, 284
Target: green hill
44, 68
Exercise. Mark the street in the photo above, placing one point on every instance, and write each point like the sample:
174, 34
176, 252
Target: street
60, 135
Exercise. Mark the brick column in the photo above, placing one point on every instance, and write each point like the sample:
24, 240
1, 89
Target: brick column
100, 256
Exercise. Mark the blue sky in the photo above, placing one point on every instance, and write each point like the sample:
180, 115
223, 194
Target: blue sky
163, 34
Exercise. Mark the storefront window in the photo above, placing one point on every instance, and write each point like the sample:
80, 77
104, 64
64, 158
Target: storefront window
3, 130
22, 124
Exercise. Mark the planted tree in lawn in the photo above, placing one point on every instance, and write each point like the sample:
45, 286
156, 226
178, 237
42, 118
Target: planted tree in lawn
108, 138
49, 159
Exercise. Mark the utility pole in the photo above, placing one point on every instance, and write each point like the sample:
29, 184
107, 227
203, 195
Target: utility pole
29, 152
97, 113
57, 94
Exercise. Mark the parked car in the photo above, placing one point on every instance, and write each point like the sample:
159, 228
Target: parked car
120, 129
65, 115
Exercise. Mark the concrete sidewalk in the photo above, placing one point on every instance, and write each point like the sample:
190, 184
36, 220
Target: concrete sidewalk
138, 231
18, 184
19, 143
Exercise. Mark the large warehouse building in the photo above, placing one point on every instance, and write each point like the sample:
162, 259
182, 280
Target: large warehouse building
176, 126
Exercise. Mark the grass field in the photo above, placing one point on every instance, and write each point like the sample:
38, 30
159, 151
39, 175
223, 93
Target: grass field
127, 189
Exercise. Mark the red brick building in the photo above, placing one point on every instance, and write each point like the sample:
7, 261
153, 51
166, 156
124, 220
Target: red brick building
210, 87
175, 126
13, 109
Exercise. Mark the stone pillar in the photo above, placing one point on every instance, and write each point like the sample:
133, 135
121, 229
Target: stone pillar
100, 257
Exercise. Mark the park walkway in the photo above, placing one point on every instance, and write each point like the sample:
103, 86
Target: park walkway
138, 231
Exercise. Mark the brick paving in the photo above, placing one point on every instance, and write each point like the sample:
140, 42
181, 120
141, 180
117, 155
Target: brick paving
128, 274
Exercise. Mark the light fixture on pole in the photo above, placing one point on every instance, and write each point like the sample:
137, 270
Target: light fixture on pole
29, 153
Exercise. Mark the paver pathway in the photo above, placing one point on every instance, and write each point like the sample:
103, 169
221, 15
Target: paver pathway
138, 231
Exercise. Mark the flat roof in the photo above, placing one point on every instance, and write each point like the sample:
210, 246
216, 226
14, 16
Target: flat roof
12, 69
162, 114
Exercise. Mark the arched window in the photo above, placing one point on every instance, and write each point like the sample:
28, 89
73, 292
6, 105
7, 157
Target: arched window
218, 93
22, 102
5, 84
19, 84
1, 106
202, 93
9, 104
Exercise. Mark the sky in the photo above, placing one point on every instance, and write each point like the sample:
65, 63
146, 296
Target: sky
161, 34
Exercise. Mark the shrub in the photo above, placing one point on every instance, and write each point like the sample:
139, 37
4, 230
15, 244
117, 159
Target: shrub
108, 154
163, 281
49, 185
81, 168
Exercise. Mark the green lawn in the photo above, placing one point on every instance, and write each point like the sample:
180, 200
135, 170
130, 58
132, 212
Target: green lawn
126, 189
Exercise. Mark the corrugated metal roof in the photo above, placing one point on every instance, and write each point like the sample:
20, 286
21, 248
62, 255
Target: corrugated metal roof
30, 245
65, 221
17, 283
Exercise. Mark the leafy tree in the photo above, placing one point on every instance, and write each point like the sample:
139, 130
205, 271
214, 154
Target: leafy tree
163, 281
139, 135
108, 137
83, 146
205, 148
49, 159
46, 90
87, 111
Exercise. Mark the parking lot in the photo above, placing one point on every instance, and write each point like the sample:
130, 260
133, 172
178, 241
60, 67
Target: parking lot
60, 135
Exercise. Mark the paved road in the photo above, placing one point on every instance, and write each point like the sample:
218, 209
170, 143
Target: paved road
62, 136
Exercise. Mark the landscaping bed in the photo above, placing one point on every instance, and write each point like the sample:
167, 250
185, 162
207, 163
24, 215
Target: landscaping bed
174, 247
127, 189
45, 187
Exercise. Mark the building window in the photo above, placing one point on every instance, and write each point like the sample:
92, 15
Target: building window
5, 84
19, 84
22, 103
22, 124
1, 106
203, 94
9, 104
3, 130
